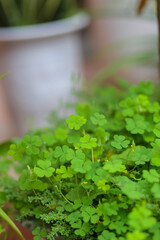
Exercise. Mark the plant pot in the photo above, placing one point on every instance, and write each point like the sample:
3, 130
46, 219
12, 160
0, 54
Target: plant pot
40, 60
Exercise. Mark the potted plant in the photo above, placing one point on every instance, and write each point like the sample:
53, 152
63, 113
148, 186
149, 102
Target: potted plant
95, 175
41, 48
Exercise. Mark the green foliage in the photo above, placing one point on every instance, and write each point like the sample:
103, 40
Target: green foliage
29, 12
75, 122
39, 233
44, 169
95, 175
98, 119
120, 142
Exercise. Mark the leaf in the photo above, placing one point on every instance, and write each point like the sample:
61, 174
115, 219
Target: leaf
140, 218
101, 184
136, 235
118, 226
66, 173
120, 142
89, 214
136, 125
98, 119
106, 235
44, 169
114, 166
4, 216
151, 176
88, 142
62, 152
129, 188
140, 155
75, 122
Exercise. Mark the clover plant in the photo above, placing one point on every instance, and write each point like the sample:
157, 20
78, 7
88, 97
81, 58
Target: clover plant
95, 175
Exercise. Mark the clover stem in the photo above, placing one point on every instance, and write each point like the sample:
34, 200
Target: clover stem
92, 155
64, 196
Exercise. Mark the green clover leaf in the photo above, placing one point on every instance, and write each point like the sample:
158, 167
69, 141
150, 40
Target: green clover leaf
40, 233
129, 107
65, 172
75, 122
88, 142
120, 142
98, 119
101, 184
140, 155
129, 188
89, 214
151, 176
136, 235
106, 235
83, 228
31, 144
118, 226
16, 151
44, 169
137, 124
140, 218
62, 152
114, 166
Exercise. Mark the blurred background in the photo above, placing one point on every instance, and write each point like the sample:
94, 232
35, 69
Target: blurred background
103, 40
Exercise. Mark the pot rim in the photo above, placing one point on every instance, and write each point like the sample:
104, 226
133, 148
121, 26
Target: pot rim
45, 30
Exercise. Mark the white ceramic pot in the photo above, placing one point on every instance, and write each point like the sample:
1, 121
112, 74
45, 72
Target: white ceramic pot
40, 60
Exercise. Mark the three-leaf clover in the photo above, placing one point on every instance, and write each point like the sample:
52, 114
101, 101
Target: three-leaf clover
40, 233
75, 122
78, 162
65, 172
16, 151
137, 124
98, 119
88, 142
89, 214
32, 144
101, 184
82, 228
44, 169
106, 235
151, 176
120, 142
140, 155
61, 153
114, 166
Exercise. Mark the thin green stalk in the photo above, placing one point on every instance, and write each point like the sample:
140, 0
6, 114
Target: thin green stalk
60, 192
64, 196
92, 154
